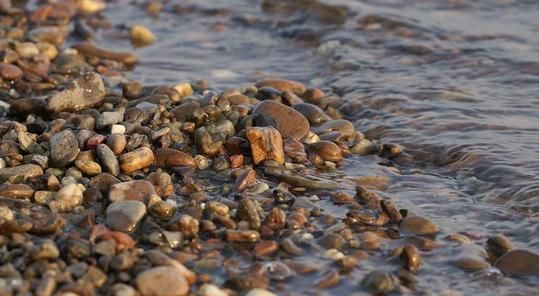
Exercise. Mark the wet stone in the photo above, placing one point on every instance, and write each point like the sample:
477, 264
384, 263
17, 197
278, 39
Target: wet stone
125, 215
108, 159
137, 159
266, 144
64, 148
162, 281
67, 198
519, 263
331, 241
21, 172
140, 190
418, 226
87, 91
282, 85
16, 191
471, 263
498, 245
326, 150
289, 122
313, 113
168, 157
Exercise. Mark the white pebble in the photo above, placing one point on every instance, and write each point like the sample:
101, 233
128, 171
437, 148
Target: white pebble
117, 129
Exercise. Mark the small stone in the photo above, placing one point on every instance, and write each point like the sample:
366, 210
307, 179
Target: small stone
90, 168
125, 215
188, 226
10, 72
67, 198
283, 85
289, 122
331, 241
162, 281
87, 91
326, 150
117, 129
22, 171
108, 159
242, 236
47, 250
345, 127
106, 119
379, 282
88, 7
313, 113
16, 191
43, 197
410, 256
140, 190
498, 245
418, 226
519, 263
184, 89
141, 36
266, 144
137, 159
471, 263
210, 290
64, 148
117, 143
260, 292
266, 248
168, 157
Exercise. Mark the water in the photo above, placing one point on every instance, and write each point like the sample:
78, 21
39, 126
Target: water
455, 82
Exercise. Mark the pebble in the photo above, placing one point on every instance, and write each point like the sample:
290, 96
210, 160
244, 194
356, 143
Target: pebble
106, 119
137, 159
168, 157
266, 248
117, 142
266, 144
10, 72
418, 226
519, 263
84, 92
162, 281
108, 159
125, 215
117, 129
22, 171
16, 191
64, 148
67, 198
498, 245
211, 290
282, 85
331, 241
471, 263
313, 113
326, 150
289, 122
259, 292
140, 190
379, 282
141, 36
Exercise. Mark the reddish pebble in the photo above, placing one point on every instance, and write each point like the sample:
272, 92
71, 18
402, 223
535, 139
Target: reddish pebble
10, 72
94, 141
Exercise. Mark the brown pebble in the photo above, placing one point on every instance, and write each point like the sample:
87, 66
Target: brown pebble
168, 157
266, 248
266, 144
328, 280
10, 72
137, 159
117, 143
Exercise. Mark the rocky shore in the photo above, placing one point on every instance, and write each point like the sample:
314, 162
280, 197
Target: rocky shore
111, 187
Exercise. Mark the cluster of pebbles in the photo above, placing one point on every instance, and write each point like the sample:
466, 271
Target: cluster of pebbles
109, 187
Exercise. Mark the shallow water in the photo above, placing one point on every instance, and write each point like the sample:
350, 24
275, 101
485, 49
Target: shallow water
456, 83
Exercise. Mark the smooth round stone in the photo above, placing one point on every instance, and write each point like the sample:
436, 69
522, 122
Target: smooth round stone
68, 197
282, 85
117, 129
471, 264
137, 159
141, 36
22, 171
10, 72
108, 159
16, 191
162, 281
290, 123
519, 263
418, 226
211, 290
64, 148
260, 292
331, 241
140, 190
168, 157
345, 127
88, 167
313, 113
327, 150
107, 119
87, 91
125, 215
117, 143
